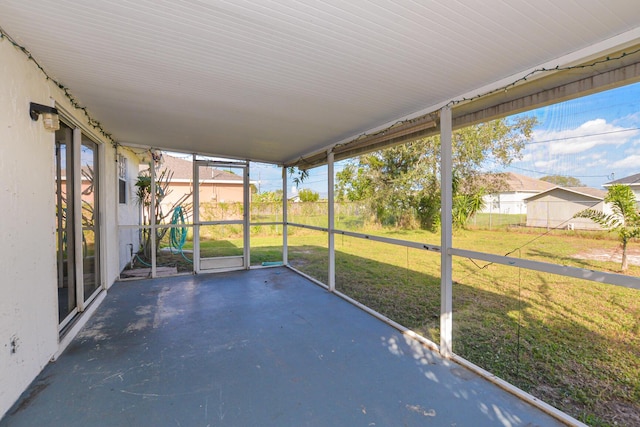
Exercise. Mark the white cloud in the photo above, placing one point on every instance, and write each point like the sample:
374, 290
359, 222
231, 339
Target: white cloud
593, 133
632, 150
527, 157
596, 163
541, 164
628, 120
628, 162
591, 156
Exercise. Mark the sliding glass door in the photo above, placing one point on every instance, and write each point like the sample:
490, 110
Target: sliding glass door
65, 248
77, 222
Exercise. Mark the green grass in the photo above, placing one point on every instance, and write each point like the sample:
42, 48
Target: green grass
497, 220
570, 342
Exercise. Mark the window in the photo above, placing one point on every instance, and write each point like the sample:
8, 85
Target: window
122, 179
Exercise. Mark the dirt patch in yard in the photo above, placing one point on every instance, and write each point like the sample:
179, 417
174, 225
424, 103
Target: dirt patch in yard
610, 255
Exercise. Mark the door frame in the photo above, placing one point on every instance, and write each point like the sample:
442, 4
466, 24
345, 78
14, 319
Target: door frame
78, 130
87, 141
221, 263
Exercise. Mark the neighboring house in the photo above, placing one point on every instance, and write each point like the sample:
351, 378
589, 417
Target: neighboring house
216, 185
513, 190
556, 207
633, 181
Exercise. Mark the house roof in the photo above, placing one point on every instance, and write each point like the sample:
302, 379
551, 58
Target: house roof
631, 180
517, 182
183, 170
592, 193
274, 81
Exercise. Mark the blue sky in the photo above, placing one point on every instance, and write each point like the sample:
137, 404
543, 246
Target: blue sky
270, 179
594, 138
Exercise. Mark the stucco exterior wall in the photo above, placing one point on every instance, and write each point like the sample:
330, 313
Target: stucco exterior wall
28, 311
221, 193
175, 192
28, 287
636, 192
128, 212
511, 202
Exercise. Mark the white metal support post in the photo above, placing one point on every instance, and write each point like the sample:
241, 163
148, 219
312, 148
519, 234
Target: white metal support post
285, 251
446, 265
152, 216
247, 217
196, 216
331, 226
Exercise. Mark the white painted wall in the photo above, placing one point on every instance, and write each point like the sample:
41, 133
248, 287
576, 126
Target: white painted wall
109, 210
556, 209
28, 298
508, 202
129, 212
28, 295
636, 192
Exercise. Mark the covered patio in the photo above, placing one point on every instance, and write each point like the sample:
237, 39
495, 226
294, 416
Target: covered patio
263, 347
296, 86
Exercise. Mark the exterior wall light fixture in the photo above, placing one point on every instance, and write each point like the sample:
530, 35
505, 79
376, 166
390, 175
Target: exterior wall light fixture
50, 118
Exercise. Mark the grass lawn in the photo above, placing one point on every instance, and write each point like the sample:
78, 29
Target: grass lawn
573, 343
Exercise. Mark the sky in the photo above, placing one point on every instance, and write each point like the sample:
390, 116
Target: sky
594, 138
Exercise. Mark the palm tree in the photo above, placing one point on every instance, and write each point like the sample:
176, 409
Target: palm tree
625, 219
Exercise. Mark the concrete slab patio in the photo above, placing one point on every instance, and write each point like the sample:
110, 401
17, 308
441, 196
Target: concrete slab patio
254, 348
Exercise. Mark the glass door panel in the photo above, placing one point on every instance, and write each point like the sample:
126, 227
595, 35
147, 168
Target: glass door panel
90, 226
65, 253
77, 227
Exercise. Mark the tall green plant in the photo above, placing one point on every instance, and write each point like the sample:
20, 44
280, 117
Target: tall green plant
624, 219
466, 203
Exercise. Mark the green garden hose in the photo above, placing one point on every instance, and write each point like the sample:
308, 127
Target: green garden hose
178, 235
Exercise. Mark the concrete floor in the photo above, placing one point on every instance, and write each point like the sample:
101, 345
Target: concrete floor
258, 348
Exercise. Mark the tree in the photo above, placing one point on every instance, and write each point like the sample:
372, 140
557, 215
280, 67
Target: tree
563, 180
268, 197
401, 184
625, 219
143, 198
298, 175
308, 195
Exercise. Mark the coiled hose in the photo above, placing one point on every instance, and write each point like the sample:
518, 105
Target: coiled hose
178, 235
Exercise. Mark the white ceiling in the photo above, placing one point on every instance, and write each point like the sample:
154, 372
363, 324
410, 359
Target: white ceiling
275, 80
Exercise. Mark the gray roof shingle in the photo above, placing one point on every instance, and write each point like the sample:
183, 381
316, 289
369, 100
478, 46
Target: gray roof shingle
629, 180
183, 169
